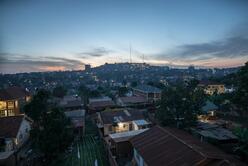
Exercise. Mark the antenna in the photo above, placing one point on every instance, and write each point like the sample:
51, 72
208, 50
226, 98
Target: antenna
130, 47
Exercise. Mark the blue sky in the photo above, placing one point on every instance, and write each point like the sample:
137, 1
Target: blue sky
41, 35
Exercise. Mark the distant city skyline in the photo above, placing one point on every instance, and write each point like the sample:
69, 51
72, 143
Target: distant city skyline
65, 35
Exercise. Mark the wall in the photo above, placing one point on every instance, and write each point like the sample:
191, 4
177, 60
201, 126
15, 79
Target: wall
23, 133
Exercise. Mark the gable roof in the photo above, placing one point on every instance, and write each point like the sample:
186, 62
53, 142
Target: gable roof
167, 146
12, 93
148, 89
10, 126
121, 115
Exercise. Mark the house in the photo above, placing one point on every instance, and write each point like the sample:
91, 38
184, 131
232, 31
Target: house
214, 133
169, 146
71, 102
11, 101
208, 111
119, 146
77, 118
212, 87
100, 104
131, 101
120, 120
150, 93
118, 126
14, 133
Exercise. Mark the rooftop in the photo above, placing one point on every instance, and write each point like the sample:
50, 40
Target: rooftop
10, 126
140, 122
121, 115
133, 99
124, 136
12, 93
75, 113
209, 106
168, 146
148, 89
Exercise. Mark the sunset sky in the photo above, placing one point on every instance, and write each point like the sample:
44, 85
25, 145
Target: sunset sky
44, 35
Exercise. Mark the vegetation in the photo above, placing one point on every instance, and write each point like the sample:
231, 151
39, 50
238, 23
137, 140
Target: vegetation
50, 134
240, 97
122, 91
242, 148
59, 91
86, 93
180, 105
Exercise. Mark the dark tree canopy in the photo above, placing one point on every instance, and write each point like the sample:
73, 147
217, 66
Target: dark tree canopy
240, 97
53, 136
50, 134
122, 91
38, 105
59, 91
180, 106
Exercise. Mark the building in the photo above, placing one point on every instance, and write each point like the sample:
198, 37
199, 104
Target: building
214, 133
131, 101
77, 118
150, 93
118, 126
14, 133
208, 111
71, 103
11, 101
168, 146
87, 67
120, 120
211, 87
100, 104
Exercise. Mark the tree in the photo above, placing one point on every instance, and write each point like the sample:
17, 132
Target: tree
122, 91
50, 134
134, 84
38, 105
240, 97
59, 91
242, 148
179, 106
53, 136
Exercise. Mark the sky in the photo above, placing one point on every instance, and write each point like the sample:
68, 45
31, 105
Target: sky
45, 35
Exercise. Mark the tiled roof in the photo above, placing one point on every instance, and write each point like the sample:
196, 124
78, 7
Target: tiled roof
110, 116
148, 89
13, 93
166, 146
9, 126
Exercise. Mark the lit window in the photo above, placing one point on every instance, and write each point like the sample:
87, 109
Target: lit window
11, 113
10, 105
3, 113
2, 105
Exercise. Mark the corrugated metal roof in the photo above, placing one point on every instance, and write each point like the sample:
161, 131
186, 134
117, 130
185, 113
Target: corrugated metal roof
165, 146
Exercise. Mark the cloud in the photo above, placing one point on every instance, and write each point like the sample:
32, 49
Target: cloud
232, 47
25, 63
95, 52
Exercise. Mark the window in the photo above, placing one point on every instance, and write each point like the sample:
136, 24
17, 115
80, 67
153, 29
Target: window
10, 105
11, 113
2, 105
110, 128
3, 113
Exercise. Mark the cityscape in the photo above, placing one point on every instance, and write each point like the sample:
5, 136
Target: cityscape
124, 83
